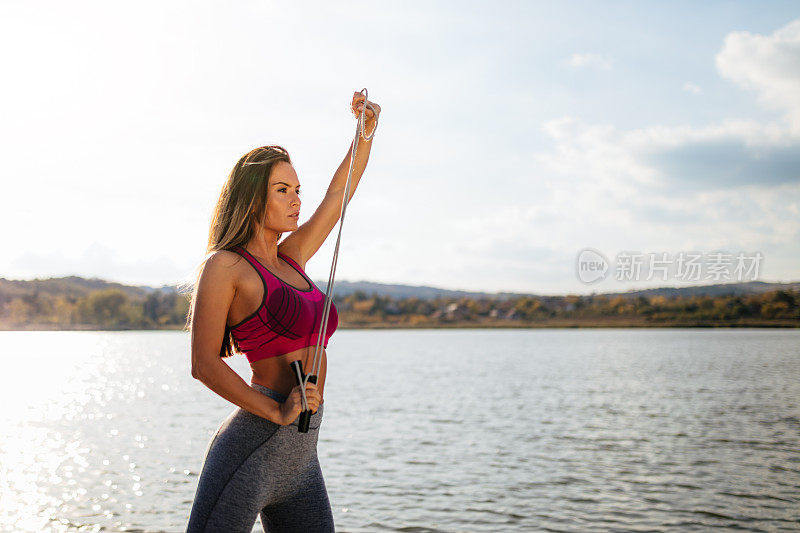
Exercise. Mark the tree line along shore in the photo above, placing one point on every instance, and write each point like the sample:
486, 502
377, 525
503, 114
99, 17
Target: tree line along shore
126, 308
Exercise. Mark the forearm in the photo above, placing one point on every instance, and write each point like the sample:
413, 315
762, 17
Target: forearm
339, 180
223, 380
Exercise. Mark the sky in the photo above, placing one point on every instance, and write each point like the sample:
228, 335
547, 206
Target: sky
520, 144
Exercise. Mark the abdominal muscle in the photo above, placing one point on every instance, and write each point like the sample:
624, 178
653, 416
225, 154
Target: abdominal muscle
276, 374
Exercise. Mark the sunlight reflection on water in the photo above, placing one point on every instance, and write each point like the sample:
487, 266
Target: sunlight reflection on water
67, 402
469, 430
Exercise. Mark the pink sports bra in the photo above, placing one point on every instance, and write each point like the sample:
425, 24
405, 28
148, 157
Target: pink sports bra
287, 319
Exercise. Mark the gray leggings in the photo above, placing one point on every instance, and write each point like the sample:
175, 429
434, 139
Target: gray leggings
256, 467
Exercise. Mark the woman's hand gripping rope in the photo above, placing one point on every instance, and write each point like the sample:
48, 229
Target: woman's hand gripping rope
293, 406
367, 115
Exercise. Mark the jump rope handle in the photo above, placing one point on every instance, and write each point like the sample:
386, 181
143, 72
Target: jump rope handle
304, 421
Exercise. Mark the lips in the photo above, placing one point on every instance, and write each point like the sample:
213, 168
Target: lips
295, 215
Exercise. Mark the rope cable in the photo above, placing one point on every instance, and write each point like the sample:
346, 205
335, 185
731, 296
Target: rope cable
317, 361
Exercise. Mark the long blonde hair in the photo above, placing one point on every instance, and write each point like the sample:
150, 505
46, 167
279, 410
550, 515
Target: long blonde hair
240, 209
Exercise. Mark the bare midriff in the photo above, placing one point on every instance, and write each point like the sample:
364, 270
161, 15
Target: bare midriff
276, 374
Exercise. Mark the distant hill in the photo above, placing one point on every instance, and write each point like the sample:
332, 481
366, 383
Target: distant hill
345, 288
78, 303
68, 286
77, 286
399, 292
721, 289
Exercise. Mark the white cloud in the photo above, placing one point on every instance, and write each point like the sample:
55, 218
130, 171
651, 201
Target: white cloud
628, 202
734, 185
590, 60
748, 152
631, 166
769, 65
690, 87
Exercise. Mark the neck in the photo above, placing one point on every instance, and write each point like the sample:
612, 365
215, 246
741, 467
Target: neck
265, 247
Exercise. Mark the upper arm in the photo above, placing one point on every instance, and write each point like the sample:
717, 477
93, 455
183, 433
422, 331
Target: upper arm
212, 301
304, 242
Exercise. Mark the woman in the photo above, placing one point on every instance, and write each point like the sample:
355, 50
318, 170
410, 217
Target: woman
258, 463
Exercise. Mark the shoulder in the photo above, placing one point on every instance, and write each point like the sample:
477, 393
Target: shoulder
222, 266
292, 252
222, 260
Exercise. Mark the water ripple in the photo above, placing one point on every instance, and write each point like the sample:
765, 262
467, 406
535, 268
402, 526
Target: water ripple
568, 431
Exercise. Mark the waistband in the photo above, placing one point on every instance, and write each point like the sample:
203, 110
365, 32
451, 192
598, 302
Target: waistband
316, 418
275, 395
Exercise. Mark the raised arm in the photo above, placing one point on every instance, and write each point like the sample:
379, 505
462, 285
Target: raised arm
304, 242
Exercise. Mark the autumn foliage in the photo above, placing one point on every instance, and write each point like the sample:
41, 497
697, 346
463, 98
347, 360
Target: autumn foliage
28, 305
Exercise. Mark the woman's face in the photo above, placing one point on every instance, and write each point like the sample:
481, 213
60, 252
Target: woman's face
283, 198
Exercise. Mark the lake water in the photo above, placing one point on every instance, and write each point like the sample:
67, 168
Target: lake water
426, 430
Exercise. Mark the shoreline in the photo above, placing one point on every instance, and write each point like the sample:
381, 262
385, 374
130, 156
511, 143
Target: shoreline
614, 323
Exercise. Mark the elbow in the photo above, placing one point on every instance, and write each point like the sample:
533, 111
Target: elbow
198, 371
203, 368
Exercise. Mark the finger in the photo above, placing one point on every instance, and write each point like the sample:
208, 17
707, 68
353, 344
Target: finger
297, 393
313, 395
310, 388
368, 113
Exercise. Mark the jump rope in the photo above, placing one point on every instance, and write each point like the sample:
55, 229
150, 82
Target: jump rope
304, 379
